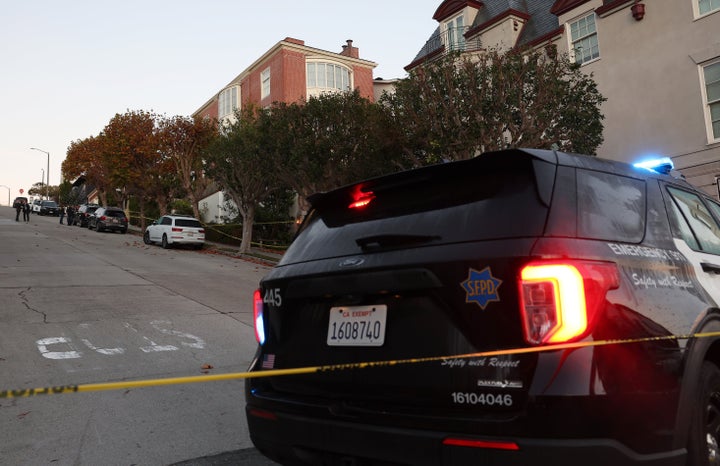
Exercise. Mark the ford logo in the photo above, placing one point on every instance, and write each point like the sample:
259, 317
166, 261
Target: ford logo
352, 262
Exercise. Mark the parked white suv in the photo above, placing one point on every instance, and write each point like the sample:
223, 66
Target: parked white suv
170, 230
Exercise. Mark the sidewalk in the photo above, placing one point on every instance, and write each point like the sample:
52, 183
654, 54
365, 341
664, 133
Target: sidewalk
260, 255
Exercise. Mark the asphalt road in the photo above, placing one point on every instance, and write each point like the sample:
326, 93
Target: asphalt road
80, 307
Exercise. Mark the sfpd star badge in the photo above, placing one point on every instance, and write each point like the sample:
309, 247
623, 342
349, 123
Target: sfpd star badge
481, 287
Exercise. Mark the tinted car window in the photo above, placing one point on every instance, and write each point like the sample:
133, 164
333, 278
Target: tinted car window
115, 213
183, 222
699, 220
460, 205
610, 207
165, 221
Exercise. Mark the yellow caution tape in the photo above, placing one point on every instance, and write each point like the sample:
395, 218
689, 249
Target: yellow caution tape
94, 387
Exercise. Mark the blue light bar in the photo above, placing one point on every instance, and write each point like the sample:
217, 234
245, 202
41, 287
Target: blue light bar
662, 165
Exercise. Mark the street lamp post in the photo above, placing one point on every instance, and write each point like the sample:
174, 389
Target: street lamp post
42, 180
8, 188
47, 185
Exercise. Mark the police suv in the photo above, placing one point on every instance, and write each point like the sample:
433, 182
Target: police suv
522, 307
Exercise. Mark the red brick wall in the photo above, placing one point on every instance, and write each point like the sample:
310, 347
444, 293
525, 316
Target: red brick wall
293, 78
210, 110
364, 82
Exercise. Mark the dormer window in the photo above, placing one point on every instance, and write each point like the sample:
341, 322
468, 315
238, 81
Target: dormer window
455, 33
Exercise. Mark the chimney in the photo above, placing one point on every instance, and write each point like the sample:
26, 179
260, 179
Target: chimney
350, 51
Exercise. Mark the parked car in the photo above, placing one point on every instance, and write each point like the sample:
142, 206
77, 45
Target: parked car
522, 307
108, 218
49, 208
172, 230
36, 206
19, 200
83, 214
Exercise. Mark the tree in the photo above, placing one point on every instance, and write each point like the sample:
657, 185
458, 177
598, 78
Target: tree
135, 157
90, 158
458, 107
330, 141
183, 140
37, 189
239, 164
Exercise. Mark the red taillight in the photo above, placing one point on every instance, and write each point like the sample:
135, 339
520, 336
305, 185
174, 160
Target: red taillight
493, 445
176, 230
103, 218
558, 299
201, 230
261, 413
361, 198
258, 317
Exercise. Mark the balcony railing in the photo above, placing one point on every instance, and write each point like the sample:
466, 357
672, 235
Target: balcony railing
449, 40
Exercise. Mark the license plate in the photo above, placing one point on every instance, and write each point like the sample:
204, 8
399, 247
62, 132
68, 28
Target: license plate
357, 326
114, 220
190, 234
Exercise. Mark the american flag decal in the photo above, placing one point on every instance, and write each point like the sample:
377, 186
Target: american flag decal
268, 361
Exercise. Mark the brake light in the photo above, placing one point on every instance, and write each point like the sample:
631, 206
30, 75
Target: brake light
176, 230
559, 300
361, 198
258, 317
493, 445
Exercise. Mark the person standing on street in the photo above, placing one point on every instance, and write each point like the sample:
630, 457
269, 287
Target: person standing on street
62, 215
70, 214
26, 212
20, 206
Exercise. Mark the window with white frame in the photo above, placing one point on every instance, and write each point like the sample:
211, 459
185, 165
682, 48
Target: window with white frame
322, 76
265, 83
227, 102
455, 33
711, 81
706, 6
584, 39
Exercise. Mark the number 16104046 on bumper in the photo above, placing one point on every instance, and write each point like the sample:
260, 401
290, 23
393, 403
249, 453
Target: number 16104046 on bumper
357, 326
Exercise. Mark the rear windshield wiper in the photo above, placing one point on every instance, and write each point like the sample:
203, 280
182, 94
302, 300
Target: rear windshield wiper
375, 242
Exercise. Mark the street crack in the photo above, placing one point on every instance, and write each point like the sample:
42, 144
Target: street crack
26, 302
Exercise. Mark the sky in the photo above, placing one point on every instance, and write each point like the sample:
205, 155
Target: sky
67, 67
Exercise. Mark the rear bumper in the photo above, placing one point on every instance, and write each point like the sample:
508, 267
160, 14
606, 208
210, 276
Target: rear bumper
113, 226
294, 438
187, 240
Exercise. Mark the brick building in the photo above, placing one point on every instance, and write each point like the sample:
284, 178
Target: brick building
291, 72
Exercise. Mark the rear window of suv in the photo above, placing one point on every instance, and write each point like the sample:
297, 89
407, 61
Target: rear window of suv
187, 222
439, 205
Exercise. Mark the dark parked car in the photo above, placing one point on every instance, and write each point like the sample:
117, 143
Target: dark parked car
108, 218
83, 214
524, 307
49, 208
